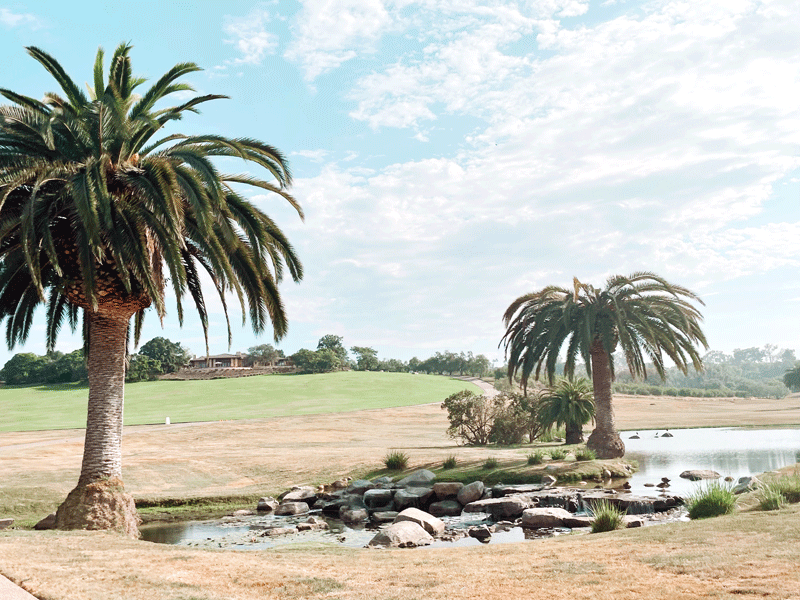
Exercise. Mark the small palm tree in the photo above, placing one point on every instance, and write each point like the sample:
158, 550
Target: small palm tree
645, 315
98, 218
792, 378
568, 404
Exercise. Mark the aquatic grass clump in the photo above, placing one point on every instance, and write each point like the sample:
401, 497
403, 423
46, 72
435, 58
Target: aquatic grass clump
775, 494
396, 460
558, 454
536, 458
491, 463
605, 516
449, 462
711, 500
585, 454
770, 498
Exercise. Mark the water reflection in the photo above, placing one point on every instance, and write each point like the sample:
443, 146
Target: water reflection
731, 452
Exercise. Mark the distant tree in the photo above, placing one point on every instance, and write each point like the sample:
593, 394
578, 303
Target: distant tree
334, 344
392, 365
414, 364
23, 368
264, 353
366, 358
319, 361
67, 367
471, 417
479, 365
170, 356
303, 360
142, 368
747, 355
792, 378
569, 404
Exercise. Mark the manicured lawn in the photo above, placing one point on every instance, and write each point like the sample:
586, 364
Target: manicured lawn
29, 408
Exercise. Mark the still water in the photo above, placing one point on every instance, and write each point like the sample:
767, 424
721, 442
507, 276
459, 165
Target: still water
731, 452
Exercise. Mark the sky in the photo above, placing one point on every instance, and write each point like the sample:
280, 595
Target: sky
452, 155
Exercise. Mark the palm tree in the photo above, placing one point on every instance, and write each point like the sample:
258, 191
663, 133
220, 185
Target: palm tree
569, 404
98, 218
792, 378
645, 315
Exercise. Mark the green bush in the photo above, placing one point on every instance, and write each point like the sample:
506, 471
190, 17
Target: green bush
396, 460
449, 462
711, 500
491, 463
536, 458
558, 454
770, 498
784, 490
585, 454
550, 435
606, 516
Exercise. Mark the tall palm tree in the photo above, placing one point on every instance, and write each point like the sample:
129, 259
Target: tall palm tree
792, 378
645, 315
98, 218
568, 403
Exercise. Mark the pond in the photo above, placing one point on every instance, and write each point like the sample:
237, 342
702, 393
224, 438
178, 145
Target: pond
732, 452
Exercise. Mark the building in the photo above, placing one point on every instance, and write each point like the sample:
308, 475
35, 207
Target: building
217, 361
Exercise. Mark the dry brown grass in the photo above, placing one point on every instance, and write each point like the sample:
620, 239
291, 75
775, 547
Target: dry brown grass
745, 554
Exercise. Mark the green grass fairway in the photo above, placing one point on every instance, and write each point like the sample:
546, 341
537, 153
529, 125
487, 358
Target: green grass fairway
31, 408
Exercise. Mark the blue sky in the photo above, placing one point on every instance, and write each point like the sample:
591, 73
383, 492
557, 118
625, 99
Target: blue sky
452, 155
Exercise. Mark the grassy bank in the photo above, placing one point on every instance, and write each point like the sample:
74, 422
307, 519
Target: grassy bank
41, 407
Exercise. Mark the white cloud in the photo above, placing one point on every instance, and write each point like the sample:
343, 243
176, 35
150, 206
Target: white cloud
250, 36
10, 19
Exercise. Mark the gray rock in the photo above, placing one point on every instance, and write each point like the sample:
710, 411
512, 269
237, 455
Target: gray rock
404, 534
482, 534
313, 524
745, 484
698, 474
509, 507
633, 520
471, 492
291, 508
383, 481
383, 516
301, 494
267, 504
243, 513
446, 490
501, 490
413, 497
6, 523
275, 531
377, 499
548, 480
353, 514
49, 522
427, 521
360, 486
538, 518
418, 478
445, 508
573, 521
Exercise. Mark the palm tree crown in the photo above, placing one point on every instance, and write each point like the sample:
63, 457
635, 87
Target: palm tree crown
98, 217
569, 404
645, 315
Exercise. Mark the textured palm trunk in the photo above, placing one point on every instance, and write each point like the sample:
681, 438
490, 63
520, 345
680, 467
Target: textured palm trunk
574, 434
99, 500
604, 440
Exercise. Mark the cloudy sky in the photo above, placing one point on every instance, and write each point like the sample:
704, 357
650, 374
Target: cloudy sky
452, 155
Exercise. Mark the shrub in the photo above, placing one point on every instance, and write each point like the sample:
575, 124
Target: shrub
491, 463
504, 420
470, 417
774, 494
585, 454
449, 462
550, 435
770, 497
396, 460
536, 458
606, 516
711, 500
558, 454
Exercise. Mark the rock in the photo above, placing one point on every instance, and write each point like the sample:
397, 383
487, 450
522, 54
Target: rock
267, 504
698, 474
49, 522
414, 497
353, 514
383, 516
418, 478
649, 485
360, 486
745, 484
447, 489
470, 493
633, 520
548, 480
376, 499
291, 508
383, 481
243, 513
332, 508
6, 523
340, 484
275, 531
445, 508
574, 521
427, 521
313, 524
501, 490
404, 534
509, 507
537, 518
301, 494
483, 534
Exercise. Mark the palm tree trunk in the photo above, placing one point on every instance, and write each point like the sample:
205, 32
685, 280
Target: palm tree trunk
604, 440
573, 434
99, 500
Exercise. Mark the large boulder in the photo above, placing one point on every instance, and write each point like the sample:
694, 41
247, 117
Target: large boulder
445, 508
353, 514
360, 486
509, 507
538, 518
376, 499
427, 521
446, 490
412, 497
304, 493
267, 504
6, 523
291, 508
745, 484
383, 516
404, 534
423, 477
471, 493
698, 474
